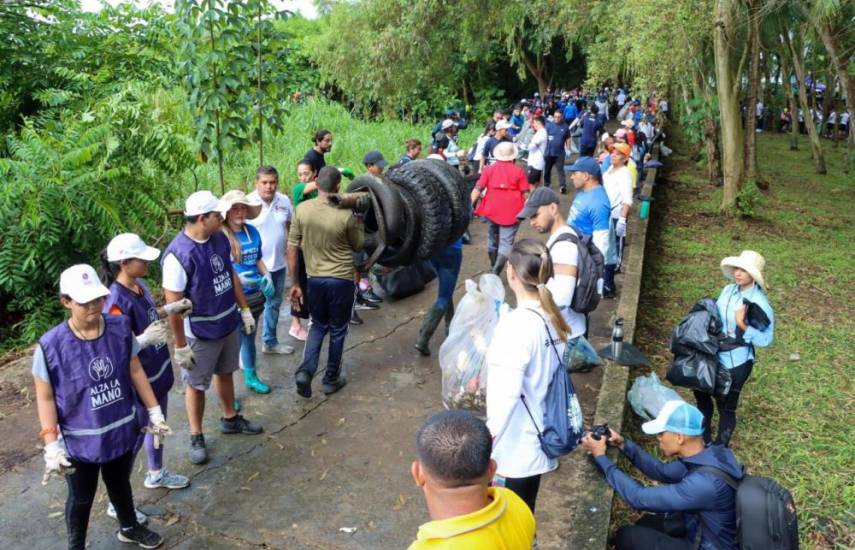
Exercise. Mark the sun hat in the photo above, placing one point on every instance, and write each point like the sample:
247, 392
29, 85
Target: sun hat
503, 125
751, 262
505, 151
81, 284
447, 123
627, 123
676, 416
376, 157
125, 246
605, 137
623, 149
201, 202
541, 196
236, 196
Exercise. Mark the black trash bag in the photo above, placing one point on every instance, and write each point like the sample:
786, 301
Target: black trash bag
754, 316
406, 281
723, 380
699, 331
696, 371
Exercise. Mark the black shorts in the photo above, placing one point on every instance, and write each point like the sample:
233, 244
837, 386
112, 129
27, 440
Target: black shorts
534, 175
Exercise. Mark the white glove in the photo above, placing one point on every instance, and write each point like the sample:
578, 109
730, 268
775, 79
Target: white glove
157, 425
56, 462
185, 358
182, 307
620, 227
248, 321
154, 335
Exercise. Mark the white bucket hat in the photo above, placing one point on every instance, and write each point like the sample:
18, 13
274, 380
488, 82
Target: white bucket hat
239, 197
129, 245
505, 151
748, 261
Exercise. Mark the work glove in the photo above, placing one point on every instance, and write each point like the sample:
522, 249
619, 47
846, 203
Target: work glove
56, 462
248, 321
185, 358
157, 425
347, 172
267, 287
154, 335
620, 227
182, 307
247, 280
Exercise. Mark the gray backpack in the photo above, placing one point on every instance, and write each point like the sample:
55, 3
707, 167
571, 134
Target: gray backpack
589, 271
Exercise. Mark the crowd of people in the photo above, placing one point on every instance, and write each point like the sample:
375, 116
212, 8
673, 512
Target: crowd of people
103, 376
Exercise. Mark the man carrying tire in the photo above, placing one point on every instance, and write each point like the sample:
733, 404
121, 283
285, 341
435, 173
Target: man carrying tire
504, 186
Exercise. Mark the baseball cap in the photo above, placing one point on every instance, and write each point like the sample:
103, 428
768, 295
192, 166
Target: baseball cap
447, 123
539, 197
503, 125
201, 202
375, 157
129, 245
678, 417
587, 165
623, 148
81, 284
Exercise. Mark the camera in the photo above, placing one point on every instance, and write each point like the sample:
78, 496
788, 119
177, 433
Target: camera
598, 431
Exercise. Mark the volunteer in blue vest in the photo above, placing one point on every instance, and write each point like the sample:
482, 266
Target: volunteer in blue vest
258, 284
89, 383
197, 265
124, 263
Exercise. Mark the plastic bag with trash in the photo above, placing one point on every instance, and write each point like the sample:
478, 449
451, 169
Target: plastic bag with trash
648, 395
462, 356
583, 357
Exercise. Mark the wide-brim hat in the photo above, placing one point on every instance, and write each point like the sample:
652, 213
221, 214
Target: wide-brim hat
237, 196
749, 261
627, 123
505, 151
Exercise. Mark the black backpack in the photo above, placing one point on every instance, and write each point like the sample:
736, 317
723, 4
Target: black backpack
765, 512
589, 271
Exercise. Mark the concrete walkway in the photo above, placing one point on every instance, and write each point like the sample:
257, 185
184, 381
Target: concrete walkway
321, 465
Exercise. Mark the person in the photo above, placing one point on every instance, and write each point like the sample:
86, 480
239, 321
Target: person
447, 146
414, 149
366, 298
543, 212
516, 121
322, 140
305, 189
501, 135
477, 157
197, 265
523, 356
83, 370
446, 263
590, 212
558, 141
503, 186
273, 224
749, 284
591, 128
124, 262
374, 163
618, 184
702, 498
257, 283
327, 236
537, 150
453, 469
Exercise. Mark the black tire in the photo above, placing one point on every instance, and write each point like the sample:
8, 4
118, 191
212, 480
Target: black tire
453, 186
390, 201
435, 213
402, 251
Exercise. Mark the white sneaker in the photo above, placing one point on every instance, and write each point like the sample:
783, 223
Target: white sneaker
142, 519
166, 480
279, 349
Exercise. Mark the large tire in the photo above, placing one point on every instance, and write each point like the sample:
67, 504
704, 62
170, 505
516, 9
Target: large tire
435, 213
390, 201
453, 187
402, 251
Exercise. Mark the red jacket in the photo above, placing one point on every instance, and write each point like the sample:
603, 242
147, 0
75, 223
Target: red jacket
506, 184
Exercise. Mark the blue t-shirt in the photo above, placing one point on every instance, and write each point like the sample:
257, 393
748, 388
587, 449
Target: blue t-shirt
571, 112
250, 251
488, 148
590, 125
590, 211
556, 136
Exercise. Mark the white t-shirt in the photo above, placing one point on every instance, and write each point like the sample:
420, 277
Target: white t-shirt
618, 184
520, 363
844, 118
537, 150
759, 108
567, 253
272, 223
479, 147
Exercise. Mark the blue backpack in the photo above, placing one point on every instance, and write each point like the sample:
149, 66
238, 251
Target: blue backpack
562, 417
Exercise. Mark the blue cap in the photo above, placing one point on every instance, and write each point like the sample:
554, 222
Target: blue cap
588, 165
678, 417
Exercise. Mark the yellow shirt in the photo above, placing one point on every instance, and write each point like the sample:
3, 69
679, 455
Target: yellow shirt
504, 524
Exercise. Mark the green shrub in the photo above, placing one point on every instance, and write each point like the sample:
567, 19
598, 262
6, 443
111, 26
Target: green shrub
749, 200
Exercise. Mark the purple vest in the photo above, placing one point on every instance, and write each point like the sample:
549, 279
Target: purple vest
209, 284
142, 311
95, 399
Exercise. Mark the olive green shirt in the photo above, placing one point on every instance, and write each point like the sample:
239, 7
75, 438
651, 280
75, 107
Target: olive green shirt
328, 236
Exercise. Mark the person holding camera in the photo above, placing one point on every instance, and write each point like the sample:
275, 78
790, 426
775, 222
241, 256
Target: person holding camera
691, 509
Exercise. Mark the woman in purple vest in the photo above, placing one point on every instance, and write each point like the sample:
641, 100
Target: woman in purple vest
124, 263
89, 383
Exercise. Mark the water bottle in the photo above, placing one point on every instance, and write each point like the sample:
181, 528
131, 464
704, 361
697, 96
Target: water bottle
617, 339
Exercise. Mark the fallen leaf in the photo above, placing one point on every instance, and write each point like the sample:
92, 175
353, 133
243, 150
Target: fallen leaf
253, 476
324, 475
55, 514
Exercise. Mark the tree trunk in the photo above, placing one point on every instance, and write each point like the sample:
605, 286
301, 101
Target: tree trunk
711, 128
791, 99
840, 60
218, 144
753, 85
258, 99
796, 51
727, 82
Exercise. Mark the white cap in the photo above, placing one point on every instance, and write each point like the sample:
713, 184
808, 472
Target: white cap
81, 284
201, 202
447, 123
503, 125
129, 245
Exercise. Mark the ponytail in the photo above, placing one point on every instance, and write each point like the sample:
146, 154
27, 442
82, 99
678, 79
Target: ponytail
532, 264
108, 270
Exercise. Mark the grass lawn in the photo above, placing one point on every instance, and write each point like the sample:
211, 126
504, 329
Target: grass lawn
795, 414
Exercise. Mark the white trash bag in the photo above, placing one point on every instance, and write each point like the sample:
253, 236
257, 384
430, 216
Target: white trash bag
648, 395
462, 357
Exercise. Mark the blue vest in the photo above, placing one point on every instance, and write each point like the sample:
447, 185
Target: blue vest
95, 399
209, 284
142, 311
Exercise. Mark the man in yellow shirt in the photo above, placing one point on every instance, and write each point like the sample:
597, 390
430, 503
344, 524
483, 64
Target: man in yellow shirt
454, 470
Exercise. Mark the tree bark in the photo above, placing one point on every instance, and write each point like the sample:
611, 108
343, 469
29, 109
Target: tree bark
753, 85
797, 53
829, 36
791, 99
258, 91
727, 82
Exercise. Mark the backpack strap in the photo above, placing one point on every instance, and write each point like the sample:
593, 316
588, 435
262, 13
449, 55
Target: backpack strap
560, 365
566, 237
702, 526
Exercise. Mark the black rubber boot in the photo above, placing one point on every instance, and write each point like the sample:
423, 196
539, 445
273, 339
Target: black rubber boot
499, 265
449, 314
492, 255
431, 321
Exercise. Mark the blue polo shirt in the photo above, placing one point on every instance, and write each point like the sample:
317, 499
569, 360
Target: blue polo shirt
590, 211
590, 125
556, 136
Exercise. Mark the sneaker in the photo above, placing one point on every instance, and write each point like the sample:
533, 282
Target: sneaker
278, 349
166, 480
332, 387
355, 319
369, 296
304, 382
563, 189
300, 334
198, 450
365, 304
239, 425
141, 536
142, 519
